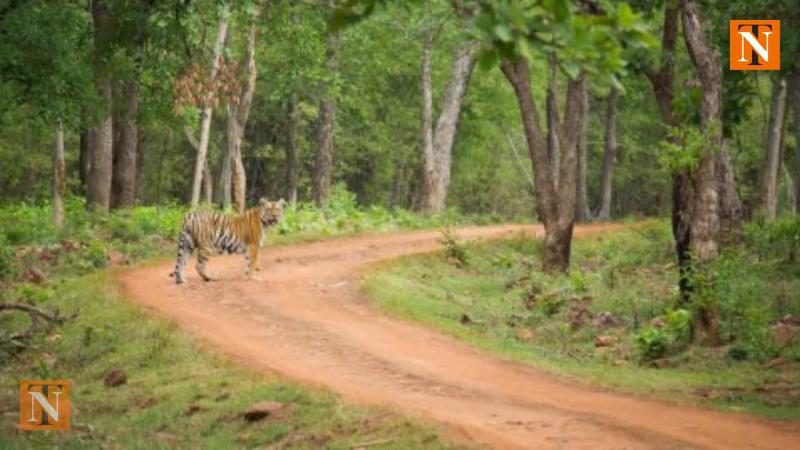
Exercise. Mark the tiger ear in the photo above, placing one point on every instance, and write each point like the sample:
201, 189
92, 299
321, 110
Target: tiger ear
262, 201
281, 202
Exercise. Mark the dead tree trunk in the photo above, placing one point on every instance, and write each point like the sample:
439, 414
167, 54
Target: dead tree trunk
124, 178
292, 148
323, 166
238, 111
772, 158
59, 177
609, 156
555, 202
438, 143
206, 113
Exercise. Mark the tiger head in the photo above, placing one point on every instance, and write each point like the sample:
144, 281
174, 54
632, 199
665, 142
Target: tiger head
270, 212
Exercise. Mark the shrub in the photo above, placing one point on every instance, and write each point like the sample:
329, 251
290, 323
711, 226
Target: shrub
653, 343
454, 250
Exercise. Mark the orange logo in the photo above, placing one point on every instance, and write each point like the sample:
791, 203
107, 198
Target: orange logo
44, 405
755, 44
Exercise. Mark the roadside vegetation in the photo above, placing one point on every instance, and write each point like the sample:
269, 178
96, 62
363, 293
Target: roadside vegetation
617, 318
175, 393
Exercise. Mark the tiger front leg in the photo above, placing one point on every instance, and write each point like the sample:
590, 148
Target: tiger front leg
251, 258
203, 255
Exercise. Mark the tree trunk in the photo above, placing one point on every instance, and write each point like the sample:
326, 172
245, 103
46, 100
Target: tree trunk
704, 223
730, 204
582, 213
794, 98
223, 192
124, 178
555, 202
427, 187
436, 182
292, 149
323, 166
84, 158
553, 150
206, 114
59, 177
237, 118
772, 159
98, 194
609, 156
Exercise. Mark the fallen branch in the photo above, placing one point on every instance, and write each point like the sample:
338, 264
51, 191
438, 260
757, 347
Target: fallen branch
36, 315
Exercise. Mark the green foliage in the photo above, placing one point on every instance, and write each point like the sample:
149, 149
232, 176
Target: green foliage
454, 249
657, 342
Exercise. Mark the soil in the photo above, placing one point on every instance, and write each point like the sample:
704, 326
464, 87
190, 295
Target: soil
306, 318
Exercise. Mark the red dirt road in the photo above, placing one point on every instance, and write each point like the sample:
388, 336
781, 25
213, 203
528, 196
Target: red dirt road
306, 319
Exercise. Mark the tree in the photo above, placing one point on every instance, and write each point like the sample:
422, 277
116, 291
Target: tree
704, 221
59, 177
101, 135
207, 109
437, 144
609, 155
582, 213
795, 101
125, 156
323, 164
238, 110
774, 148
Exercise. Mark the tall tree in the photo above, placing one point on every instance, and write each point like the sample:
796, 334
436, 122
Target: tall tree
98, 195
704, 221
292, 148
238, 110
207, 109
59, 176
609, 155
323, 164
126, 154
555, 202
582, 213
437, 144
794, 81
774, 148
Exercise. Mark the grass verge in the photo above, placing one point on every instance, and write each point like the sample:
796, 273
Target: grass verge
609, 322
177, 395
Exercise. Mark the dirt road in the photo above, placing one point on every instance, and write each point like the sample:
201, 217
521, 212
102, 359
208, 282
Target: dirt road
306, 319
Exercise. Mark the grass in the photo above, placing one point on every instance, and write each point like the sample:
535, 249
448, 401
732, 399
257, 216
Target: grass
500, 302
169, 372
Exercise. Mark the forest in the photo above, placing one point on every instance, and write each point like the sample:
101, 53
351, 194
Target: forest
607, 191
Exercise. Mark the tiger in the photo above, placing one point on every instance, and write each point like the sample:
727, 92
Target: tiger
209, 231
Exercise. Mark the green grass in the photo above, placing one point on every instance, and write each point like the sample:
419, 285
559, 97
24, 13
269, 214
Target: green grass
167, 372
518, 313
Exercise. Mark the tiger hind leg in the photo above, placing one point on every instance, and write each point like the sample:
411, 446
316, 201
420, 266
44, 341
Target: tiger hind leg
185, 248
203, 254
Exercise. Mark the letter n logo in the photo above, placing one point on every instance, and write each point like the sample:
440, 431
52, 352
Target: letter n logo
755, 44
44, 405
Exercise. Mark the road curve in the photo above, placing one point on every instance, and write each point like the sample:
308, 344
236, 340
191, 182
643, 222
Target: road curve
306, 319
